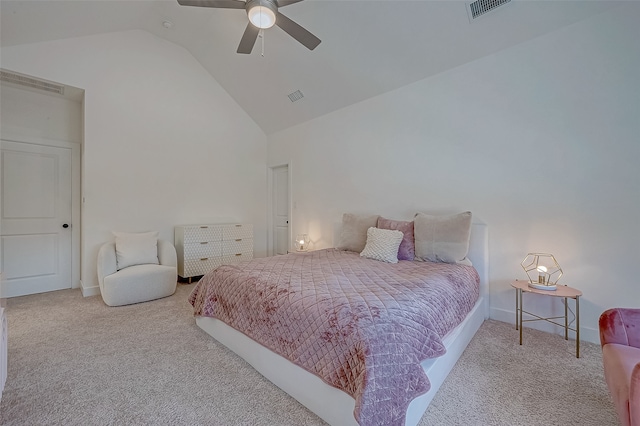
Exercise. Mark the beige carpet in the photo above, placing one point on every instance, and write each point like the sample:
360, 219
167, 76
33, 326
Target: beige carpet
76, 361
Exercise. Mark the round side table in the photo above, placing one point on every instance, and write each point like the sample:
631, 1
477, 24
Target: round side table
563, 291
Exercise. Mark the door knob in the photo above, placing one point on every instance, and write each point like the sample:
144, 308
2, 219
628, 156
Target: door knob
66, 225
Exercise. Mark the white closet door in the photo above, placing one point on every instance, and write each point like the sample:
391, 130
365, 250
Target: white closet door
36, 218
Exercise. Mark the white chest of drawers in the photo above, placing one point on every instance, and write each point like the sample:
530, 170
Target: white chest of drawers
201, 248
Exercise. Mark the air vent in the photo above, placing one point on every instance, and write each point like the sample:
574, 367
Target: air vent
33, 83
480, 7
295, 96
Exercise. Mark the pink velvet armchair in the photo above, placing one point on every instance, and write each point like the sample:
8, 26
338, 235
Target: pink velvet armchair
620, 340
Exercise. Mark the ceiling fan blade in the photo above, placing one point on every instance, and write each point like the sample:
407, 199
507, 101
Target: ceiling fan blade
296, 31
224, 4
248, 39
283, 3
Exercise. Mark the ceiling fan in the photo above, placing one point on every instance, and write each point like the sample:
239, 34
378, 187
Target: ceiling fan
262, 14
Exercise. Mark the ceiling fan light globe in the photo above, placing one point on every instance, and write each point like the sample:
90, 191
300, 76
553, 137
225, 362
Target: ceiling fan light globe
262, 17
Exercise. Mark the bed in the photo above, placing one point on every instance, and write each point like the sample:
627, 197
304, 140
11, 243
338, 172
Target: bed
326, 391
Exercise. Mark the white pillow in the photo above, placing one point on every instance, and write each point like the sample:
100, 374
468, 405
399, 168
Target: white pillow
136, 248
382, 244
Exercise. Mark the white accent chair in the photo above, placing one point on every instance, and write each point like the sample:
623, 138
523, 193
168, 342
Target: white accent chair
138, 283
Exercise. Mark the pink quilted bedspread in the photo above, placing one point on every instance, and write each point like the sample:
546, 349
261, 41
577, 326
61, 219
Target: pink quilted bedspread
361, 325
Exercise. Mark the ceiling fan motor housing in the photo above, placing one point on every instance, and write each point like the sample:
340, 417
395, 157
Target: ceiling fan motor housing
262, 13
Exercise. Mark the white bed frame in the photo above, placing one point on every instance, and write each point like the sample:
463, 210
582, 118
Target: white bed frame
335, 406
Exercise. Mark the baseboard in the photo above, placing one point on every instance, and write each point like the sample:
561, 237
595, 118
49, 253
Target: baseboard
89, 291
3, 350
587, 334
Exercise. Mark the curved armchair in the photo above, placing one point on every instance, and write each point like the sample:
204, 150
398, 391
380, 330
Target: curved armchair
620, 340
138, 283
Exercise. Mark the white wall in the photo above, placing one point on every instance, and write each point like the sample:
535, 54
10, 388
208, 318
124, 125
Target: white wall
539, 141
39, 115
164, 144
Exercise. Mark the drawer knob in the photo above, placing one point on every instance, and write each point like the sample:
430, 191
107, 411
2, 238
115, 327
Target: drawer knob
204, 242
238, 226
204, 227
239, 239
204, 258
238, 254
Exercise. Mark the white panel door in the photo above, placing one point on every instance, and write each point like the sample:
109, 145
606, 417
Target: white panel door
36, 215
281, 210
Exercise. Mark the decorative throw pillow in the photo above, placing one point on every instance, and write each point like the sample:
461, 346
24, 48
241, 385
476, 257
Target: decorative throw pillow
406, 250
382, 244
136, 248
353, 236
442, 238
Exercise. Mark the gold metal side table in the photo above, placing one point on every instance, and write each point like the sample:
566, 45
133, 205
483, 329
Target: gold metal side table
561, 291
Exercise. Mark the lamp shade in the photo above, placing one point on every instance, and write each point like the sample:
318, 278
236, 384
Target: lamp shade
542, 269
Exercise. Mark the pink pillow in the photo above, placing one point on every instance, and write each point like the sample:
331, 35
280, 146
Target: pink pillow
406, 251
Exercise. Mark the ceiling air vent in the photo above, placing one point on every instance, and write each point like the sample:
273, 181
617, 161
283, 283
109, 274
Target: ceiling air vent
295, 96
21, 80
480, 7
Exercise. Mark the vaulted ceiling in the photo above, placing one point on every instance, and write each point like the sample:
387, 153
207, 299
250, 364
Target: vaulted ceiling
368, 47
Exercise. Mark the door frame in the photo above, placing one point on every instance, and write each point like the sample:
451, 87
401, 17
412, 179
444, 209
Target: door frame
270, 169
76, 204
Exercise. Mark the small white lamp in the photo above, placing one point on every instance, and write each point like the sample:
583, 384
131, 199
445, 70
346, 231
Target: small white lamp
302, 242
543, 270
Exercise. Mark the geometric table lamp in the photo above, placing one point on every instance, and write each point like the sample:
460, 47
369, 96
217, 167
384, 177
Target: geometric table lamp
302, 242
543, 270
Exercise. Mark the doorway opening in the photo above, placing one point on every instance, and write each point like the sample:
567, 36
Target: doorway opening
40, 178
